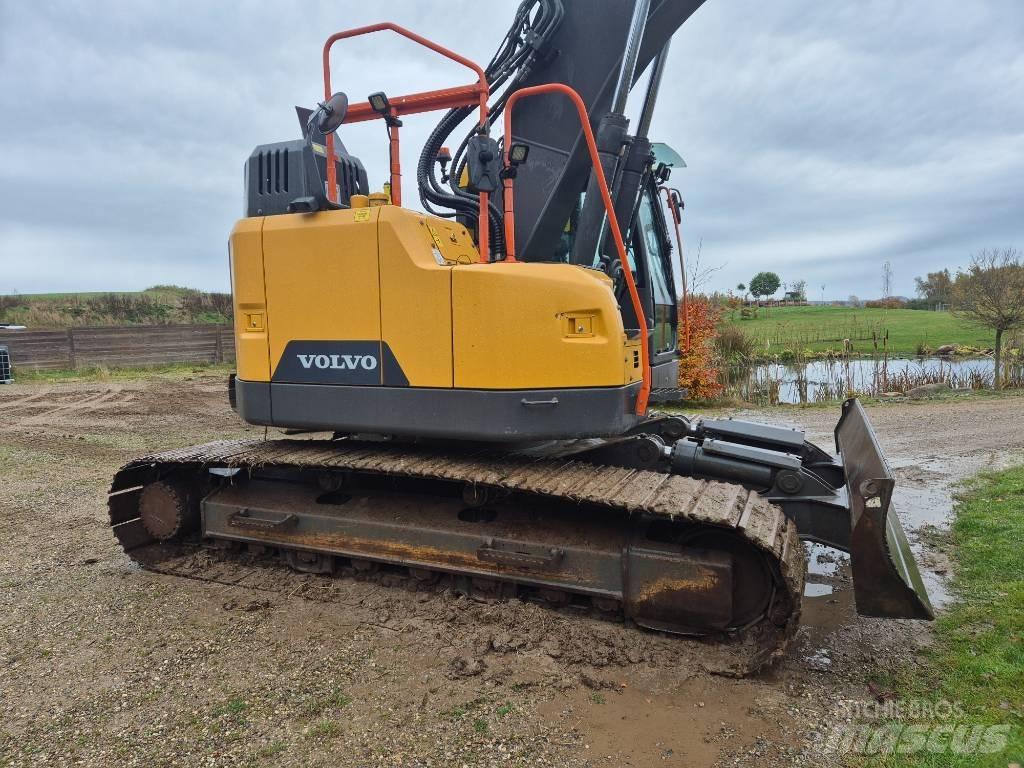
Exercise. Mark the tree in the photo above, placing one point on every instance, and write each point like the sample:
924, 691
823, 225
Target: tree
853, 300
990, 293
800, 289
699, 274
743, 291
936, 287
764, 284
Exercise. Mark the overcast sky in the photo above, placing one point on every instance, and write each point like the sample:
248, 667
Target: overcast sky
823, 137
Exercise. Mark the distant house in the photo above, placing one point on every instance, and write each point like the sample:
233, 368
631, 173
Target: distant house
794, 297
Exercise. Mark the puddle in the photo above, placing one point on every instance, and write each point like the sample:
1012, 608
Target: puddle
924, 497
814, 589
936, 585
824, 561
820, 380
645, 718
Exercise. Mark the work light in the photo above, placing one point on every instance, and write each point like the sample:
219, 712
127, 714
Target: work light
379, 102
518, 153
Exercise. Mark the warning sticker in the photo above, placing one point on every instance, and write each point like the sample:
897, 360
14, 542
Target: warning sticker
433, 234
361, 214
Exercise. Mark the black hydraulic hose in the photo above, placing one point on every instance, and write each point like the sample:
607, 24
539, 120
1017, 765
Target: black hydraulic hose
534, 23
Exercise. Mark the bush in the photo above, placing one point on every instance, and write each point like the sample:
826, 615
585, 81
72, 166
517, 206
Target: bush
891, 303
698, 368
733, 344
159, 305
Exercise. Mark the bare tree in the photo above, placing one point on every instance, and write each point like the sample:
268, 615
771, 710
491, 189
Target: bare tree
699, 274
886, 280
990, 293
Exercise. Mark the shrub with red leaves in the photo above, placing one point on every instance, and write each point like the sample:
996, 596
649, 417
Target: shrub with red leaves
698, 369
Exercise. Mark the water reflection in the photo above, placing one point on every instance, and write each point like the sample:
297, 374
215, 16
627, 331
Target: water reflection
835, 379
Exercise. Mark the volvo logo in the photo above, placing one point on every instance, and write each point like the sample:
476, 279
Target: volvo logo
338, 362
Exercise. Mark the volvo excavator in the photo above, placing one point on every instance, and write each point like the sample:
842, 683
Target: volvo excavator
470, 389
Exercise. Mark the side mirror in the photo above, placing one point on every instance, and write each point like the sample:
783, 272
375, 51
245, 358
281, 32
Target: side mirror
331, 114
322, 122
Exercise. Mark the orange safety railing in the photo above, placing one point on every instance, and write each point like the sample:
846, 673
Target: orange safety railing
613, 223
426, 101
672, 201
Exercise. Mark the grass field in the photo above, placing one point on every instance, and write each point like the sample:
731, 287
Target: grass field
977, 660
819, 329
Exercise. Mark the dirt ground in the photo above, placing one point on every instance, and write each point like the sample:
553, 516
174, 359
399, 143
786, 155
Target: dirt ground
104, 664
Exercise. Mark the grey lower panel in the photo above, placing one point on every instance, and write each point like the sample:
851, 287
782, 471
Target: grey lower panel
252, 401
665, 375
462, 414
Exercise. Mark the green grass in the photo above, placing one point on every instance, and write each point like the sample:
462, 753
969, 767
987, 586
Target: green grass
232, 710
102, 373
819, 329
336, 699
977, 659
324, 729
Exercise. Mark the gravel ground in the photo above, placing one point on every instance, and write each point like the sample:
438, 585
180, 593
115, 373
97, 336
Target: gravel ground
104, 664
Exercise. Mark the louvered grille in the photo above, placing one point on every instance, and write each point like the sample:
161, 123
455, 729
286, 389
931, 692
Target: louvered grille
272, 172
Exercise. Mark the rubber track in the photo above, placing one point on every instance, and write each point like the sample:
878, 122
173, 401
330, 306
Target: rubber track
721, 505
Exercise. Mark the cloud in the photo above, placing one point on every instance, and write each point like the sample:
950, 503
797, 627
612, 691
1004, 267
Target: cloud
823, 139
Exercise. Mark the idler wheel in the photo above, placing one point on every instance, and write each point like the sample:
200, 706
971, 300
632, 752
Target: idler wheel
166, 510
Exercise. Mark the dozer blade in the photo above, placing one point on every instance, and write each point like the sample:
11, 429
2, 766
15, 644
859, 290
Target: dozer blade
886, 580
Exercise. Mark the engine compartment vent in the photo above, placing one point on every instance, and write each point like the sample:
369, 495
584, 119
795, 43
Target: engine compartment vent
275, 175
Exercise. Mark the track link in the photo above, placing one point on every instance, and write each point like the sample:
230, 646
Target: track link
705, 505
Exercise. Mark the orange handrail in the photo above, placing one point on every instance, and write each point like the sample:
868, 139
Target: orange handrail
425, 101
682, 263
613, 223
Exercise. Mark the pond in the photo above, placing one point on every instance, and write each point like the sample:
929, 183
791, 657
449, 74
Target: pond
834, 379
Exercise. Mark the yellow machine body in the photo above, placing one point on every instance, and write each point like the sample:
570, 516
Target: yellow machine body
388, 309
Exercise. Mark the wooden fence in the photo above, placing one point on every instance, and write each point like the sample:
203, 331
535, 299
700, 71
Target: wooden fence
123, 346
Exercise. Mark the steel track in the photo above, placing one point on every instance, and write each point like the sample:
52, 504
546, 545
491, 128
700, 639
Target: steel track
716, 506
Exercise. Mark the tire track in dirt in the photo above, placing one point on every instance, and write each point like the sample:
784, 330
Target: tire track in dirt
23, 402
94, 402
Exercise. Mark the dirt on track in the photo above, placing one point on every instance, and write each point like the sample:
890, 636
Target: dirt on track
104, 664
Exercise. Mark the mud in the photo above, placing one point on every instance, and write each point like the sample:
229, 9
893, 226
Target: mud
103, 663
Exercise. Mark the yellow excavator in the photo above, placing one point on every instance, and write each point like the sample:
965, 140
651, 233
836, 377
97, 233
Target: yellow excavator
482, 374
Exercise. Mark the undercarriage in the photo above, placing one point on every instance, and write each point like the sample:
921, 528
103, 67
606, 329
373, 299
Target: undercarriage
633, 526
